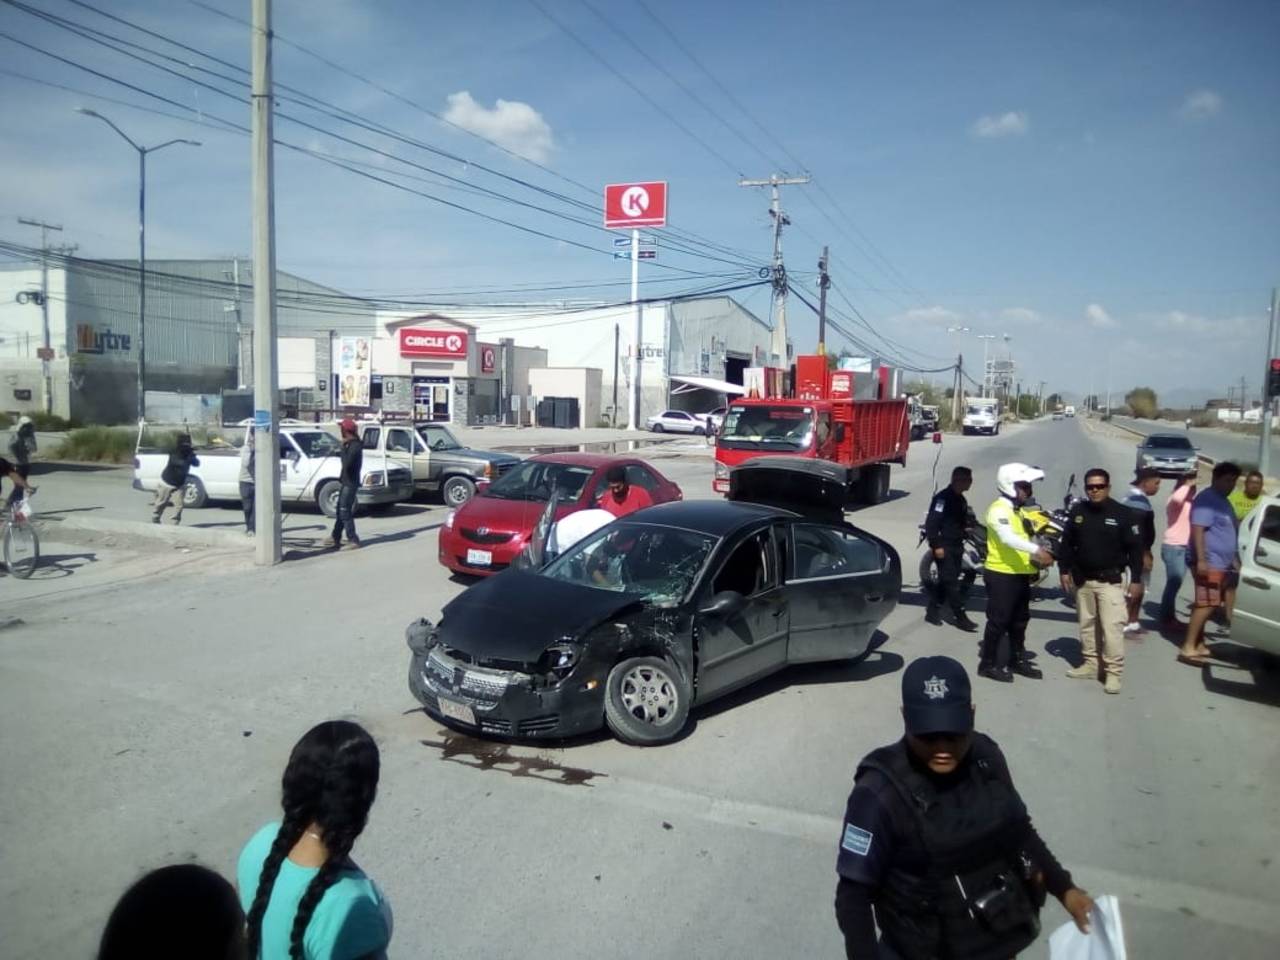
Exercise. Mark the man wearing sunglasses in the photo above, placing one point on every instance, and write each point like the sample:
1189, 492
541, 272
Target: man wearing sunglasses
938, 843
1101, 542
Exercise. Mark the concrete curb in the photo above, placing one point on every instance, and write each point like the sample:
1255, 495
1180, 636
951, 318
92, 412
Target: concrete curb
165, 533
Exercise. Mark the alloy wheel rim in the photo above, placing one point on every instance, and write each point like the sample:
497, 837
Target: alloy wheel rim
649, 694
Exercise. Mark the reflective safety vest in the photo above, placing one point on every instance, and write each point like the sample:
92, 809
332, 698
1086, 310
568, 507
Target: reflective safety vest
1000, 558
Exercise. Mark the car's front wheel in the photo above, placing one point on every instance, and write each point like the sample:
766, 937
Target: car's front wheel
646, 701
193, 494
457, 491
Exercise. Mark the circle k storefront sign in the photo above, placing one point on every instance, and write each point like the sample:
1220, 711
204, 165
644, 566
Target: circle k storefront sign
420, 342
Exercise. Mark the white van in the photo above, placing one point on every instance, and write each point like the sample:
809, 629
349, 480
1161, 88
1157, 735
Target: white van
981, 415
1257, 617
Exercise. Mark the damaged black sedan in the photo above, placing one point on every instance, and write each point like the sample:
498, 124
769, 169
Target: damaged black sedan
660, 611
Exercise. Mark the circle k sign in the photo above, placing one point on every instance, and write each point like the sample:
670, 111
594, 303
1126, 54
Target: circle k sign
419, 342
629, 205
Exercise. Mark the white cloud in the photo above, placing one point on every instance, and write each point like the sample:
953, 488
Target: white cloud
510, 123
1098, 317
1200, 105
1012, 124
933, 315
1020, 315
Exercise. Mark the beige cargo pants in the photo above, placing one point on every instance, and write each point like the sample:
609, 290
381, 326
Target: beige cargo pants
1101, 607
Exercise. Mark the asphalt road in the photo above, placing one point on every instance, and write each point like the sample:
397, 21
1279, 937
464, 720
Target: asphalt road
1215, 444
148, 719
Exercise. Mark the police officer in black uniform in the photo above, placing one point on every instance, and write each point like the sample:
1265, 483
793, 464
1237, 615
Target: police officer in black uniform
937, 842
944, 529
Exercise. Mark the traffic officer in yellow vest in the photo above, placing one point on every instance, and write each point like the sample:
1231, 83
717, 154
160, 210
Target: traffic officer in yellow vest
1012, 564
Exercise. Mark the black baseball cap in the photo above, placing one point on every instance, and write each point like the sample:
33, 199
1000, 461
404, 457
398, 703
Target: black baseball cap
936, 696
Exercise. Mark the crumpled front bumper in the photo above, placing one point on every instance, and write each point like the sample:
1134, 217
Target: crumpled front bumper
504, 703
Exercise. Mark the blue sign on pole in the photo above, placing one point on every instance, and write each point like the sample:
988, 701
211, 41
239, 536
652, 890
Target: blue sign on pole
262, 419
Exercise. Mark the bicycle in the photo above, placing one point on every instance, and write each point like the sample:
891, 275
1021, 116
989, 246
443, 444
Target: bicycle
21, 543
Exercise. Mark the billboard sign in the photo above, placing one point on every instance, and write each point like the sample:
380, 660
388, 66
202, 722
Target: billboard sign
628, 205
424, 342
354, 371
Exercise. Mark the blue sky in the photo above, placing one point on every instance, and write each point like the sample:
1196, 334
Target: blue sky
1100, 181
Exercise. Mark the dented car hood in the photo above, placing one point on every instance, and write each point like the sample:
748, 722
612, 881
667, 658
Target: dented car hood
516, 615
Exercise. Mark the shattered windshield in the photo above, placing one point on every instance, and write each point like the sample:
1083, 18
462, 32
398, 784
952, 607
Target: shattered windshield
659, 563
535, 479
767, 428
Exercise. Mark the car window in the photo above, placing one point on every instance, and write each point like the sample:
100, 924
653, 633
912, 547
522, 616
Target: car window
398, 441
822, 551
317, 443
641, 477
749, 569
535, 479
369, 438
1267, 552
659, 563
440, 438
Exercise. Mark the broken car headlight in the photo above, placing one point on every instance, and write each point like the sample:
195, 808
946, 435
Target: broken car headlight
420, 635
722, 471
559, 659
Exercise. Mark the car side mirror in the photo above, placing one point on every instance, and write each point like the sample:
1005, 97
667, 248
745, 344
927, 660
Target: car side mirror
725, 604
840, 433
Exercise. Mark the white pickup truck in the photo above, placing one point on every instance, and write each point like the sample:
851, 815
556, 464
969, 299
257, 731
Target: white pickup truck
310, 468
981, 415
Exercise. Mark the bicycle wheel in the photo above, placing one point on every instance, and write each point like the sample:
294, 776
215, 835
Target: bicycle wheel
21, 549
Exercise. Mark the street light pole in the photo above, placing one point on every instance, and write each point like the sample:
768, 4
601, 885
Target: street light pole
142, 246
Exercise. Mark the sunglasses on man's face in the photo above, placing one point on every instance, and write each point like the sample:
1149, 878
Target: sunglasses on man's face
1097, 486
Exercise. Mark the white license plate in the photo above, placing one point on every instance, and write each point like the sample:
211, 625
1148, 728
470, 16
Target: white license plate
457, 711
480, 558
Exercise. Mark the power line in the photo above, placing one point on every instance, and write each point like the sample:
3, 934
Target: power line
106, 40
636, 89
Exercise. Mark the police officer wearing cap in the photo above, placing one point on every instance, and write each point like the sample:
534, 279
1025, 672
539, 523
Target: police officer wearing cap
936, 841
944, 528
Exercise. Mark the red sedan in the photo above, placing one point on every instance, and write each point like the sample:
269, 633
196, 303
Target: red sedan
486, 533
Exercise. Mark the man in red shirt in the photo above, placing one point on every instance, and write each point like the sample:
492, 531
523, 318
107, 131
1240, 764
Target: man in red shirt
622, 498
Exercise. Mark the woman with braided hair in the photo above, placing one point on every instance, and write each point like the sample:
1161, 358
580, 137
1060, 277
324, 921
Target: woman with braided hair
304, 896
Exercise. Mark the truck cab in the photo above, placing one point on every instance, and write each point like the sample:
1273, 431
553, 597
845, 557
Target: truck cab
438, 460
981, 415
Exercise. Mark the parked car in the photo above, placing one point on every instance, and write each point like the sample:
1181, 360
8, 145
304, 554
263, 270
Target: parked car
310, 470
678, 421
662, 610
1257, 615
486, 533
1170, 453
1058, 415
438, 461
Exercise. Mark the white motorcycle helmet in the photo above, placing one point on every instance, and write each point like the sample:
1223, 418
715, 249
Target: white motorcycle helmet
1013, 473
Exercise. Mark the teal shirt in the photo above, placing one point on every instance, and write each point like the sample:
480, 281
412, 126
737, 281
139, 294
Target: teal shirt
352, 919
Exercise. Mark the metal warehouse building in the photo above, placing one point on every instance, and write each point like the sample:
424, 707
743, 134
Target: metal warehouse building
198, 337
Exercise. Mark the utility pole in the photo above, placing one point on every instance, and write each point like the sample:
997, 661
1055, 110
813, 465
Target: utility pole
45, 372
957, 390
1268, 401
780, 220
617, 342
824, 281
265, 375
1040, 402
1242, 400
635, 403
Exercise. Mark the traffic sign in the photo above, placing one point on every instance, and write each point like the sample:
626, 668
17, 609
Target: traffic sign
45, 353
626, 242
628, 205
647, 254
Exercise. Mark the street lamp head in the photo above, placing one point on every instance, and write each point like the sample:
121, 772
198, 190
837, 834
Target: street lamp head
87, 112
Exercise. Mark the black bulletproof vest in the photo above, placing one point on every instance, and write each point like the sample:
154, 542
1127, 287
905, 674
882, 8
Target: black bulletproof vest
955, 888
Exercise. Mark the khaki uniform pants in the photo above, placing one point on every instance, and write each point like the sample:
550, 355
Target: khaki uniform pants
165, 498
1101, 606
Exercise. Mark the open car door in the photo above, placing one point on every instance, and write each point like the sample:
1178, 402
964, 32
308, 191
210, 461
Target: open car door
1257, 614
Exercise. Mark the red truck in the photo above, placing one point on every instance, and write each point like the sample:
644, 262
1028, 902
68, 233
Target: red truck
821, 419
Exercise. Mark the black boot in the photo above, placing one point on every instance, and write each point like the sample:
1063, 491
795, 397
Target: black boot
932, 616
992, 672
963, 622
1025, 668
